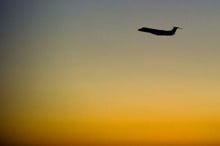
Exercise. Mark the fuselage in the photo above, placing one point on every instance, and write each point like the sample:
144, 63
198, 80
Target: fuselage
158, 31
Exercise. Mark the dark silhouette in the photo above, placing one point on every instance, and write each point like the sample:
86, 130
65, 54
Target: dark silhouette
159, 32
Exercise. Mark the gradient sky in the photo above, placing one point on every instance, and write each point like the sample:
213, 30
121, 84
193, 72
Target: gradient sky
80, 71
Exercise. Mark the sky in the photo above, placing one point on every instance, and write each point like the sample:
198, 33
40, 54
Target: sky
79, 71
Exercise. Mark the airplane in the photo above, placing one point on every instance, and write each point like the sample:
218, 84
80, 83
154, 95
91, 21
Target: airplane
159, 32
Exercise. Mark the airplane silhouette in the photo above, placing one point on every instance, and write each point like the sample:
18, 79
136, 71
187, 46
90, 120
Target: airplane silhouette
159, 32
